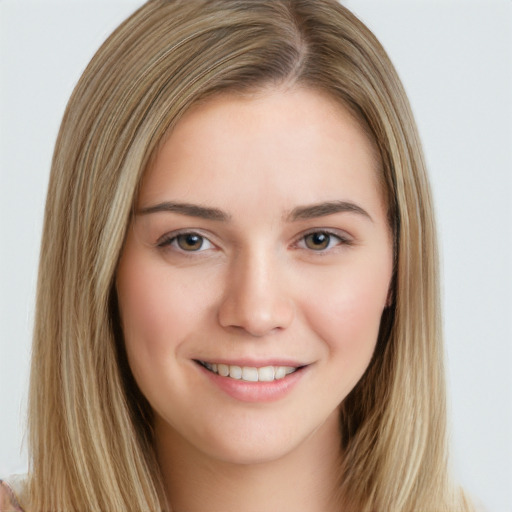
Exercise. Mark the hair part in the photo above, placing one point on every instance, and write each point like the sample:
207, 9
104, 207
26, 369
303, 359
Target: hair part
90, 428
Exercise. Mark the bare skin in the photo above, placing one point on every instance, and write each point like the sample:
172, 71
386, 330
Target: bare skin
195, 482
251, 288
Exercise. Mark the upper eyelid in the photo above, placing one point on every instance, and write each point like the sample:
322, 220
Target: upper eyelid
171, 236
339, 233
344, 241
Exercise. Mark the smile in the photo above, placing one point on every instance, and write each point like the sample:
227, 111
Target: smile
249, 373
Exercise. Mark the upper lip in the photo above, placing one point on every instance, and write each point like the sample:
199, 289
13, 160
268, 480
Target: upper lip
254, 363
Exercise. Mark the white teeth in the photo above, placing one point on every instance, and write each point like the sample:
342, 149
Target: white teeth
280, 372
250, 373
223, 370
266, 374
235, 372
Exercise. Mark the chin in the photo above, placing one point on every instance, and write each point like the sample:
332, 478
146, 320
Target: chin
266, 441
251, 451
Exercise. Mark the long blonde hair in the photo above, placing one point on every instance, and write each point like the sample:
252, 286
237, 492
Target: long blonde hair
90, 430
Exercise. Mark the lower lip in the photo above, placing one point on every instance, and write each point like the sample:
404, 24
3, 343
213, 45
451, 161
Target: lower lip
255, 391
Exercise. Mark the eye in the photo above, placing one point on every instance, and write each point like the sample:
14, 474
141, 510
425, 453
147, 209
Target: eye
321, 241
186, 242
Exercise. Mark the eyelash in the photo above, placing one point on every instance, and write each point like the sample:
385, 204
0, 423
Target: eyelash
341, 238
172, 240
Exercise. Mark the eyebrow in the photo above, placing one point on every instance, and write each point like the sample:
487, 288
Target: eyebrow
190, 210
326, 208
299, 213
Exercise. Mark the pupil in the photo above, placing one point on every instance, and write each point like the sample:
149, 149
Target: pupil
190, 242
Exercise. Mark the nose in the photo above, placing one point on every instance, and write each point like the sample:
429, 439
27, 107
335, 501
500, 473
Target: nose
256, 298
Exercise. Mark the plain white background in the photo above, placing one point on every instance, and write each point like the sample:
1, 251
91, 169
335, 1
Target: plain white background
455, 59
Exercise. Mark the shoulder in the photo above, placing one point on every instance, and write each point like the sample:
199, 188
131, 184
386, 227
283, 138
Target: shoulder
11, 489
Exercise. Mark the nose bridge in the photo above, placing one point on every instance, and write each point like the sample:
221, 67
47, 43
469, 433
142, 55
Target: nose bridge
256, 297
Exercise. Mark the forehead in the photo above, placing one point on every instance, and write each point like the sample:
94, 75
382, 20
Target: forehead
289, 142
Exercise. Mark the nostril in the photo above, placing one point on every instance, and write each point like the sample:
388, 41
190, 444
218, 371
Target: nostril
255, 322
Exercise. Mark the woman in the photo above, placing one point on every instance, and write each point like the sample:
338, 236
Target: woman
238, 298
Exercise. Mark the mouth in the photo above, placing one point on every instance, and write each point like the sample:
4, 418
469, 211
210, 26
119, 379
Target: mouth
250, 373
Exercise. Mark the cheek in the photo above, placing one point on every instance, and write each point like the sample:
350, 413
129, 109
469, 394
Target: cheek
153, 315
160, 308
142, 307
158, 312
348, 318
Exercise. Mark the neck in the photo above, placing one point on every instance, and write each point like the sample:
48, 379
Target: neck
303, 480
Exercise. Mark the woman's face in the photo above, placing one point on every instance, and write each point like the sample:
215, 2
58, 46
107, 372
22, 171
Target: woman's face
255, 273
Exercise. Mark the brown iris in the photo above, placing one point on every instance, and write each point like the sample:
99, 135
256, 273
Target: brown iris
317, 241
190, 241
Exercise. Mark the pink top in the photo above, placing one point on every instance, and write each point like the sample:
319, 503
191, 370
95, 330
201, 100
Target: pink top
8, 498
